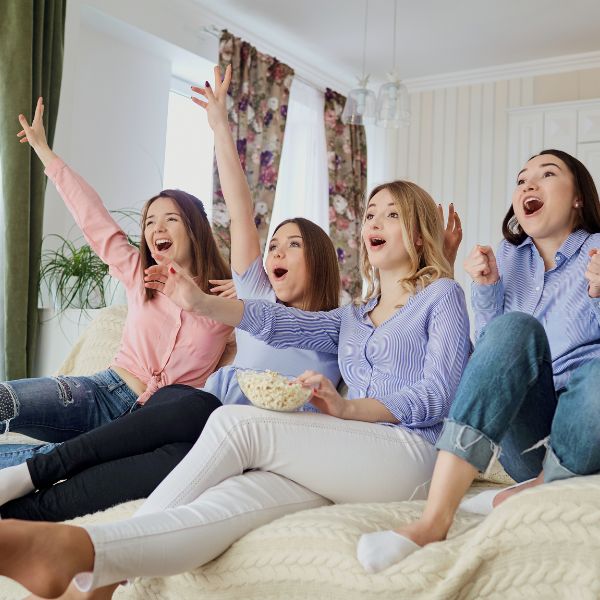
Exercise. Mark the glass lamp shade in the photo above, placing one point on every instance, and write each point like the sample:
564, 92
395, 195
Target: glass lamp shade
360, 107
393, 105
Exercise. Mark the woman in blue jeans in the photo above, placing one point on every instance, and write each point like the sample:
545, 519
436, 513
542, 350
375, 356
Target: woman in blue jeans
530, 393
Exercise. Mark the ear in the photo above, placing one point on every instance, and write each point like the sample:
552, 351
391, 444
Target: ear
578, 203
418, 240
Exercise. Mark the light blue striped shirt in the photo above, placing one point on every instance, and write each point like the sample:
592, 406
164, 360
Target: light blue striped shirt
411, 363
557, 298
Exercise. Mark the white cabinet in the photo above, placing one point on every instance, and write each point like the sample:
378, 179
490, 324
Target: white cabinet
571, 126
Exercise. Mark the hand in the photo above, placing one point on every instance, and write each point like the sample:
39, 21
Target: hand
215, 102
325, 397
173, 281
481, 265
223, 287
593, 273
35, 134
452, 233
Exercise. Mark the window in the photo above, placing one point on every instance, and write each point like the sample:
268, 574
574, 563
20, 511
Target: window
189, 146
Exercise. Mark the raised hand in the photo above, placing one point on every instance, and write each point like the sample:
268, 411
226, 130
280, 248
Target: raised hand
452, 233
214, 102
225, 288
481, 265
35, 134
325, 397
593, 273
173, 281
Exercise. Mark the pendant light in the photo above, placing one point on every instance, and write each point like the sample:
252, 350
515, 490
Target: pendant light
393, 103
360, 102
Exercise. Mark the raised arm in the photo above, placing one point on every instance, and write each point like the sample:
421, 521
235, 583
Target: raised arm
101, 231
487, 291
245, 244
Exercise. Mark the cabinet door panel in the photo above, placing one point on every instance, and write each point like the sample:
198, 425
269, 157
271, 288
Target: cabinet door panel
589, 125
589, 155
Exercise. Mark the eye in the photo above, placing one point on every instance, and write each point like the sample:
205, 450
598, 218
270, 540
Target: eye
368, 216
549, 174
393, 214
148, 223
520, 181
172, 219
272, 247
295, 244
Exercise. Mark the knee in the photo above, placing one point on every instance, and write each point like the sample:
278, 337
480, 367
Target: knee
516, 329
231, 416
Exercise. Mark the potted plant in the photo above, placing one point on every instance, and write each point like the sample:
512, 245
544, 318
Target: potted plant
74, 275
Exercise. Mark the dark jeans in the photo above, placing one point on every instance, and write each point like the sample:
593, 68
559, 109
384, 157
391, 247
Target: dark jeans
506, 399
122, 460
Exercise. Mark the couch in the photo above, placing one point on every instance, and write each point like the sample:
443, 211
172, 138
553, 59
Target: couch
543, 543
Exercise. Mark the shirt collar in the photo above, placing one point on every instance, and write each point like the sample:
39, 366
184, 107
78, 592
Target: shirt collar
569, 247
368, 306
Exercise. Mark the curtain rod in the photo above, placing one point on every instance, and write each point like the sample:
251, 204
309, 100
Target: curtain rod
214, 31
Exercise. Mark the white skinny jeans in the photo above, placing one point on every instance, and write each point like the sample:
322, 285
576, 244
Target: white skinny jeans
250, 467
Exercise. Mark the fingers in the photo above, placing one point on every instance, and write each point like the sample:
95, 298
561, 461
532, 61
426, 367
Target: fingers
451, 213
39, 111
593, 252
487, 250
199, 102
209, 93
199, 90
227, 80
457, 222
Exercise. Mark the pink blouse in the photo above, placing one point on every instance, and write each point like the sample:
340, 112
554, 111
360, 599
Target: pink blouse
161, 344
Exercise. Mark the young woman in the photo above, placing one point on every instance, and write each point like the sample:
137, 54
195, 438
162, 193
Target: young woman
401, 353
161, 344
534, 377
128, 458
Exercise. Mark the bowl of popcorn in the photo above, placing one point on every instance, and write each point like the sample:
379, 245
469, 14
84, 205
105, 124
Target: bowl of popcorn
271, 390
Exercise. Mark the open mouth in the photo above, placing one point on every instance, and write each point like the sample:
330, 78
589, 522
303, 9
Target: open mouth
279, 272
376, 242
532, 205
163, 245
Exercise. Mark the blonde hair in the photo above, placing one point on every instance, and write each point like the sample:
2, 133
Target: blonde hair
418, 216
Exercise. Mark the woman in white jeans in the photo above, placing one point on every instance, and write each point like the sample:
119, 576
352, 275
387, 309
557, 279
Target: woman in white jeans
401, 353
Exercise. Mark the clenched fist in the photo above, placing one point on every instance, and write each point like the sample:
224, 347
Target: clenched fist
481, 265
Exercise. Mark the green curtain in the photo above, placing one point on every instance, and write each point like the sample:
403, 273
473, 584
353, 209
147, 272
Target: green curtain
257, 102
347, 163
31, 55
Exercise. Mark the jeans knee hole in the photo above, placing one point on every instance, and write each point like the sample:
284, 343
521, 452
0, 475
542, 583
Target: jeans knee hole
64, 391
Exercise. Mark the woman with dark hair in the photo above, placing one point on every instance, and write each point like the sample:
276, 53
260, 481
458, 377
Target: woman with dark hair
125, 459
161, 344
529, 394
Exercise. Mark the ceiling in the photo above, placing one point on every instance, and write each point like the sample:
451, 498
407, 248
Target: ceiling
434, 37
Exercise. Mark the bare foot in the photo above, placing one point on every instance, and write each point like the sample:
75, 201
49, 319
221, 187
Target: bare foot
44, 557
500, 497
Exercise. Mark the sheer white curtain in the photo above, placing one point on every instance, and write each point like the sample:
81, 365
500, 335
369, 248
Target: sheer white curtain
303, 182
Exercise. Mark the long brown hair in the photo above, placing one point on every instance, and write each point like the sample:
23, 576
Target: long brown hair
418, 214
322, 290
588, 214
207, 262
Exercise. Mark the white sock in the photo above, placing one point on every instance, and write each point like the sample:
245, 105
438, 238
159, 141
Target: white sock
379, 550
15, 482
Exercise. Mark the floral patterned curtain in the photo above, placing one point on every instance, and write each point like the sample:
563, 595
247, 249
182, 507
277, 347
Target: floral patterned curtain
257, 102
347, 160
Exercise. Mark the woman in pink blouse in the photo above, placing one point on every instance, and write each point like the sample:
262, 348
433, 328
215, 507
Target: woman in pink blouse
161, 343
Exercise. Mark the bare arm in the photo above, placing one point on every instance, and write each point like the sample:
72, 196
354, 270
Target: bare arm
245, 244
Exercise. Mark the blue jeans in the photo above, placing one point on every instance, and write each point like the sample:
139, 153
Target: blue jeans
506, 406
56, 409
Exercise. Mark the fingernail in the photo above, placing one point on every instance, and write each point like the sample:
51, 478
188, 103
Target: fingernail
172, 270
451, 203
207, 84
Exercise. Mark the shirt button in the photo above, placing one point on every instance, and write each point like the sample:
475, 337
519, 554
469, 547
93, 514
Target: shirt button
557, 258
537, 289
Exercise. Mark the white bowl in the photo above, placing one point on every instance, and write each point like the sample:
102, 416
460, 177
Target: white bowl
271, 390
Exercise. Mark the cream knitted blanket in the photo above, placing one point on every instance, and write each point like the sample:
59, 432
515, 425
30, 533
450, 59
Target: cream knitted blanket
543, 543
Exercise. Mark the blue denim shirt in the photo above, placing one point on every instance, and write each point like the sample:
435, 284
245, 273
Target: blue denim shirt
557, 298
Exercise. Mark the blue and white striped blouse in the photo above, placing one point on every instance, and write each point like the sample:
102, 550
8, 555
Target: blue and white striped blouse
411, 363
557, 298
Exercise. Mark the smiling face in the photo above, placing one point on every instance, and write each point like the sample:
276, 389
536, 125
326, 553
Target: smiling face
286, 265
545, 200
383, 233
166, 233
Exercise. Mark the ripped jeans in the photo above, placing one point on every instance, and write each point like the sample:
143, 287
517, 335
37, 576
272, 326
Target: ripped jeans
56, 409
506, 405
